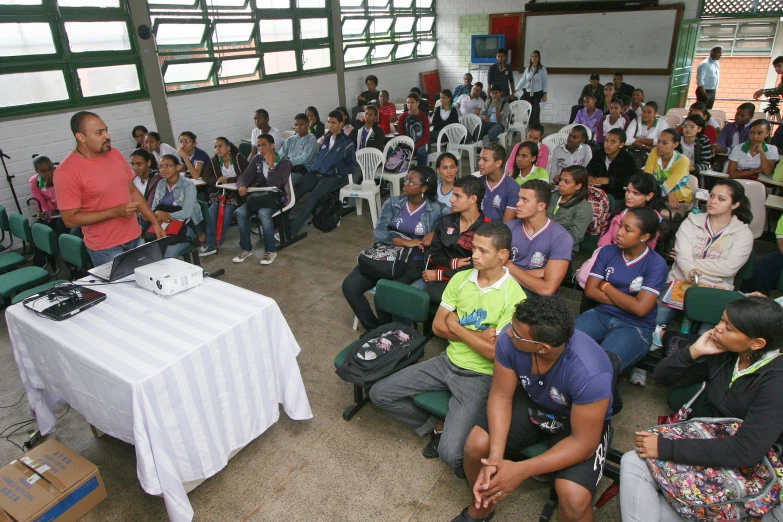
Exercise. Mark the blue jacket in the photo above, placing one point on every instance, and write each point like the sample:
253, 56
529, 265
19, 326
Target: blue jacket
184, 196
391, 210
339, 161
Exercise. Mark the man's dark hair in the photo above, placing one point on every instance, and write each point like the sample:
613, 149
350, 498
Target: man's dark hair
640, 90
595, 76
471, 76
588, 95
414, 96
481, 85
609, 84
494, 88
188, 134
498, 152
301, 117
537, 127
497, 232
416, 90
372, 108
45, 159
77, 121
262, 112
502, 51
748, 107
541, 188
337, 115
371, 77
778, 60
549, 318
154, 135
626, 101
619, 74
654, 105
138, 128
384, 91
471, 186
266, 136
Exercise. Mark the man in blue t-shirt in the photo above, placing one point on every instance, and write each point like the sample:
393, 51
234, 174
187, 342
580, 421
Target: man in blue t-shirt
540, 248
565, 399
502, 191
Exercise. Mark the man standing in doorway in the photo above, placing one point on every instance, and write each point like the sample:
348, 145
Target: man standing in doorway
708, 76
500, 75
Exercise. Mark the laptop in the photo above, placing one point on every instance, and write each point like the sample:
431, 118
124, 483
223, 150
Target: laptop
63, 301
124, 264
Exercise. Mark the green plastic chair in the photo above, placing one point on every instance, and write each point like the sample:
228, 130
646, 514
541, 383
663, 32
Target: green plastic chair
245, 148
45, 240
74, 254
402, 301
17, 226
5, 227
746, 272
706, 305
23, 278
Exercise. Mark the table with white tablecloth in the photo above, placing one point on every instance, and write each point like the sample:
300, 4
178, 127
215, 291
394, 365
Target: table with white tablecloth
187, 379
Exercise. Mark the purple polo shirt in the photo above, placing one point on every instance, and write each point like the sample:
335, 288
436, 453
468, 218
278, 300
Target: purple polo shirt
551, 241
502, 196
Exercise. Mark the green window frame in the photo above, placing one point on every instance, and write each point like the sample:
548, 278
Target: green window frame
75, 64
387, 31
272, 39
740, 8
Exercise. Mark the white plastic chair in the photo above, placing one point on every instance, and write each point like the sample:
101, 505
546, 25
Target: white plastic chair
565, 131
438, 103
518, 119
360, 116
717, 113
286, 134
757, 195
672, 119
472, 124
456, 133
721, 123
395, 177
554, 141
677, 111
369, 160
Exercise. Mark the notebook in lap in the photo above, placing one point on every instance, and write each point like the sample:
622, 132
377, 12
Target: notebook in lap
125, 263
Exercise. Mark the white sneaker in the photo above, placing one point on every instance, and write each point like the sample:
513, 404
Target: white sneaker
638, 377
657, 336
269, 257
242, 256
206, 251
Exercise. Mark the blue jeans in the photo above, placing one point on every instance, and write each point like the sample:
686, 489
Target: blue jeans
318, 186
421, 156
212, 223
267, 228
766, 275
495, 130
630, 342
100, 257
666, 315
177, 248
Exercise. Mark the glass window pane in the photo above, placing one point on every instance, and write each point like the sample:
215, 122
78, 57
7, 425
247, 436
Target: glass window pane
97, 81
402, 4
32, 87
354, 26
377, 4
22, 2
343, 3
226, 3
240, 67
273, 4
232, 33
179, 34
356, 54
404, 50
316, 59
426, 47
314, 28
404, 24
317, 4
26, 39
97, 36
382, 51
424, 4
276, 30
88, 3
279, 62
425, 24
381, 25
187, 72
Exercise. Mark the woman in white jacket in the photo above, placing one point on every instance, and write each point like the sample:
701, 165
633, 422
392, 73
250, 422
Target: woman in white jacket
713, 246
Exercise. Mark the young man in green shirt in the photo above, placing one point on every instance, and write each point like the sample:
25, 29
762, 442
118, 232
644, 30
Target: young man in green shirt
476, 304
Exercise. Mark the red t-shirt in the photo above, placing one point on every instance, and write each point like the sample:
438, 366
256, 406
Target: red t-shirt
96, 184
385, 114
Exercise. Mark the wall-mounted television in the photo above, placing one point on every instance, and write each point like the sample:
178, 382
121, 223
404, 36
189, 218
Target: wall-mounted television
484, 47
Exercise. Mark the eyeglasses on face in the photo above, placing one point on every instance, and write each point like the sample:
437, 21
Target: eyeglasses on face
409, 182
166, 166
520, 338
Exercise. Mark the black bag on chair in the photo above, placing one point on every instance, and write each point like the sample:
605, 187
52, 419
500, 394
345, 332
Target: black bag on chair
263, 199
384, 261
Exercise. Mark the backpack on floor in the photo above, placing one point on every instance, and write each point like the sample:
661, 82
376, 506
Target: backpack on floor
328, 213
380, 353
704, 494
399, 159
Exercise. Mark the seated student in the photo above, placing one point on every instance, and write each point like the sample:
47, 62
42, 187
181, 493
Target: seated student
612, 166
768, 269
627, 111
415, 124
156, 147
574, 152
535, 133
452, 244
753, 157
739, 360
261, 119
671, 170
405, 221
424, 104
694, 144
564, 376
594, 89
371, 95
225, 167
476, 304
329, 172
138, 133
540, 248
525, 164
145, 167
465, 87
614, 120
589, 116
387, 113
471, 103
370, 133
193, 158
610, 93
637, 102
495, 116
42, 189
626, 280
444, 115
643, 131
621, 88
482, 93
447, 166
699, 109
175, 199
735, 132
266, 169
315, 126
571, 209
301, 149
347, 126
712, 246
502, 192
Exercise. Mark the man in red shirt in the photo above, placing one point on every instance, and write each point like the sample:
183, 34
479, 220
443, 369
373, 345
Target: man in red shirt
416, 126
95, 191
387, 113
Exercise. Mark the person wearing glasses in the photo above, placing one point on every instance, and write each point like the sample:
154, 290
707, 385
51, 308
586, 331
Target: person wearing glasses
175, 200
192, 158
695, 145
405, 221
551, 383
476, 305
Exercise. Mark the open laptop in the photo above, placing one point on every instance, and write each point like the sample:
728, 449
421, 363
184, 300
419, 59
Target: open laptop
63, 302
125, 263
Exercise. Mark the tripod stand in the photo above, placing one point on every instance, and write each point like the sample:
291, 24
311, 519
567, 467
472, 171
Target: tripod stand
773, 111
10, 178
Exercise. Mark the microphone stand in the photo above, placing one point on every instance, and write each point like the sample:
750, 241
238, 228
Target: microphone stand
10, 178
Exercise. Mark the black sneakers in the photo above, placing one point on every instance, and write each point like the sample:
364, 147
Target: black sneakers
464, 517
430, 451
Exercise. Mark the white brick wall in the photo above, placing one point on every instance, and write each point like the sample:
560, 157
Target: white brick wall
395, 78
50, 135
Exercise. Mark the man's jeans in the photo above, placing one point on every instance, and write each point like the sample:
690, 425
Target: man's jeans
267, 228
422, 153
318, 186
630, 342
469, 392
212, 223
100, 257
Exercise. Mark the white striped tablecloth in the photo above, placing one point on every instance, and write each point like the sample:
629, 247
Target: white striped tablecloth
186, 379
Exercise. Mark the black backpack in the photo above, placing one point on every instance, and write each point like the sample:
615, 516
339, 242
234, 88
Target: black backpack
380, 353
329, 212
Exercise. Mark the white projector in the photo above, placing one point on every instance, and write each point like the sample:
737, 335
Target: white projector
169, 277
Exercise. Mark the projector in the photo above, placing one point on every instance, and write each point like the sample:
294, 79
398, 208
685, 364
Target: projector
169, 277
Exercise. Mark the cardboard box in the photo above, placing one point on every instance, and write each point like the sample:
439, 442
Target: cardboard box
49, 483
